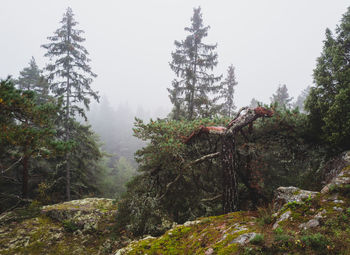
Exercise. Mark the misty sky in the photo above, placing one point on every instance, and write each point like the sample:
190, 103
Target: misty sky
270, 42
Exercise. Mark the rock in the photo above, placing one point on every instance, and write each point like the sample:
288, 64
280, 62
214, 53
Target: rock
190, 223
284, 195
310, 224
81, 214
46, 233
335, 174
210, 251
338, 209
283, 217
245, 238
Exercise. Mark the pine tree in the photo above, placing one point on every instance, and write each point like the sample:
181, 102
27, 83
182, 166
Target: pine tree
194, 89
29, 127
69, 74
227, 92
281, 97
31, 78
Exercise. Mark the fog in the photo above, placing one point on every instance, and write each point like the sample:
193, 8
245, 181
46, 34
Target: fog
269, 42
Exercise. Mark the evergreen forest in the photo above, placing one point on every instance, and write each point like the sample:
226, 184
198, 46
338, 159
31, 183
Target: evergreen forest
61, 140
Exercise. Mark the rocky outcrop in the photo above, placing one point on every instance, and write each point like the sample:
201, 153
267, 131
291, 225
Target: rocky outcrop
76, 227
285, 195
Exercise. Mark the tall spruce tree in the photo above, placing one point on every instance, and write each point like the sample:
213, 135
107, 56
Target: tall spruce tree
228, 91
194, 91
31, 78
69, 74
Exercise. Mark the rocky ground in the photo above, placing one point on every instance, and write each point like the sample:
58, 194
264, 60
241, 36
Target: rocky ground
76, 227
298, 222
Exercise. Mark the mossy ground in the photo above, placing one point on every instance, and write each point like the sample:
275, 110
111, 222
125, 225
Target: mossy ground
215, 234
40, 234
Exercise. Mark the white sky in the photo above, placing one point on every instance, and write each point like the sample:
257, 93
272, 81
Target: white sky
270, 42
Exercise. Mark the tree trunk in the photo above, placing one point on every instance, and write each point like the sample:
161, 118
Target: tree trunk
25, 177
230, 193
67, 120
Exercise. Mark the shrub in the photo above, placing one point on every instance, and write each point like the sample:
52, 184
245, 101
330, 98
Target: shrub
257, 239
315, 241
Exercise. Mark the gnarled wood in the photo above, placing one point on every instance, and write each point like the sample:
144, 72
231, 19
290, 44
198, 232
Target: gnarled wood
245, 117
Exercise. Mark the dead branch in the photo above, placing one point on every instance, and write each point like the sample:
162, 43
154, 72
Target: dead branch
168, 186
205, 157
239, 122
211, 198
9, 168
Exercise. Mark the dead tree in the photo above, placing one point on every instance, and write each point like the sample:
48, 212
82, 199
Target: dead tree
227, 151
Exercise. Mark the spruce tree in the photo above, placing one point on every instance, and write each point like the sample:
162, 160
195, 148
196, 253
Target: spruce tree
69, 74
227, 92
195, 88
329, 99
31, 78
281, 97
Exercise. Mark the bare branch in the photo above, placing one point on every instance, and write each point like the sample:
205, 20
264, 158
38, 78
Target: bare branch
9, 168
208, 156
211, 198
168, 186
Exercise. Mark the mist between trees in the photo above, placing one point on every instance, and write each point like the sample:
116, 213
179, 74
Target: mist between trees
53, 149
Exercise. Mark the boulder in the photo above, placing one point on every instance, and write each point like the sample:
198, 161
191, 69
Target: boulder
285, 195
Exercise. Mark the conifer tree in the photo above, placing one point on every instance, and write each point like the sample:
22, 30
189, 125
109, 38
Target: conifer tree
69, 74
299, 103
281, 97
31, 78
329, 99
195, 88
254, 103
227, 92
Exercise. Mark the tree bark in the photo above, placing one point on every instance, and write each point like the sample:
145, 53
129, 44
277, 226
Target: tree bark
228, 153
25, 177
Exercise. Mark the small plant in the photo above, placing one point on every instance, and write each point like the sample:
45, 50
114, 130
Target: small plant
265, 215
257, 239
348, 211
294, 204
315, 241
70, 226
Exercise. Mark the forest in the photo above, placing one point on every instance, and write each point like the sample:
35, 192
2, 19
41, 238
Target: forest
206, 157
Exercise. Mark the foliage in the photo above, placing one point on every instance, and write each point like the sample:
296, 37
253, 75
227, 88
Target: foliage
194, 92
329, 100
70, 76
27, 127
281, 98
227, 92
276, 152
69, 226
69, 72
300, 102
257, 239
265, 215
31, 79
316, 241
